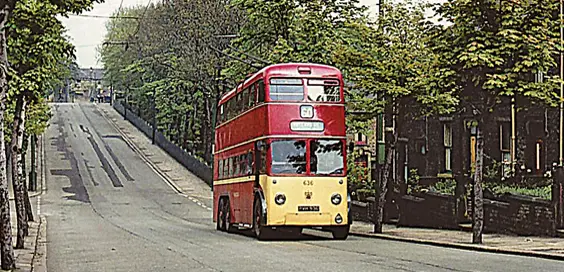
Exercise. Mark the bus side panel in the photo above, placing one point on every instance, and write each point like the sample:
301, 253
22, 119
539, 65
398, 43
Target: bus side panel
240, 196
246, 127
246, 198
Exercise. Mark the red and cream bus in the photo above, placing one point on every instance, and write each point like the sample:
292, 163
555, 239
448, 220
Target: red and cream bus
280, 152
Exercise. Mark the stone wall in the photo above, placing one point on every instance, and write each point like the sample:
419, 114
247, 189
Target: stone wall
519, 215
509, 214
428, 210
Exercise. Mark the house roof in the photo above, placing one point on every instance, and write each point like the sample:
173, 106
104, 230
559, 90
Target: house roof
90, 74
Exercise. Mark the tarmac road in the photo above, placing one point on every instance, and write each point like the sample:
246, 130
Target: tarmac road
107, 210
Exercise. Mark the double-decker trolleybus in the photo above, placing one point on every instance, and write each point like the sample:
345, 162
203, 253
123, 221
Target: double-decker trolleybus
280, 152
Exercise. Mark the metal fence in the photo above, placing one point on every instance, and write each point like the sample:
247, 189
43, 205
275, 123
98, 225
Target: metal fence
195, 166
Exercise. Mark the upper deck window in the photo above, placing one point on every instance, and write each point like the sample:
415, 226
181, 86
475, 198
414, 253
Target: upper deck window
260, 91
286, 89
320, 90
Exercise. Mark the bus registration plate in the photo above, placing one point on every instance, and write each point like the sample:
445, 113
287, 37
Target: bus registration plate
308, 208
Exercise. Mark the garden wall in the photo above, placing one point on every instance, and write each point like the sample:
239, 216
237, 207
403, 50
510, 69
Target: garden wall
510, 214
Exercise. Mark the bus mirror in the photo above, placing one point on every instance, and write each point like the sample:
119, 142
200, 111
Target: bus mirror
261, 146
351, 147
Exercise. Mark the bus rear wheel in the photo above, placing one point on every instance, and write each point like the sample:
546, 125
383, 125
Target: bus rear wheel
261, 232
220, 225
227, 211
340, 233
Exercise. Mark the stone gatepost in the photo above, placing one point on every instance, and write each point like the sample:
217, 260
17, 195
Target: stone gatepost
557, 195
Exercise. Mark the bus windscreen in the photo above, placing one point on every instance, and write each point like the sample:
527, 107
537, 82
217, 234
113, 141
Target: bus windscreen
288, 157
326, 157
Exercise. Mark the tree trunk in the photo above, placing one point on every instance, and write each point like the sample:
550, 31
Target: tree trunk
6, 249
383, 184
28, 210
207, 135
17, 173
33, 169
37, 162
478, 211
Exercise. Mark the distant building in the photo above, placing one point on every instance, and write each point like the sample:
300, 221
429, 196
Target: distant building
89, 74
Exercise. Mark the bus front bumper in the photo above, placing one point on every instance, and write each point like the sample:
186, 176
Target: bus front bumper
310, 219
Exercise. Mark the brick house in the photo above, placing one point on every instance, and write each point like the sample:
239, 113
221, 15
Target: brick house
444, 146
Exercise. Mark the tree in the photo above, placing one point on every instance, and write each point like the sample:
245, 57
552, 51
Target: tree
36, 46
494, 47
392, 72
289, 31
153, 69
6, 250
7, 8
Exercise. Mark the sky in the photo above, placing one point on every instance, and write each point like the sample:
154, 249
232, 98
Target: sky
87, 33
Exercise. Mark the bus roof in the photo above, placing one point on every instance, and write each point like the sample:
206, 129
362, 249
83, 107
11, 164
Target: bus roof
287, 69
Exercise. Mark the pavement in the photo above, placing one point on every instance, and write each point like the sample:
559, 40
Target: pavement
33, 256
117, 203
543, 247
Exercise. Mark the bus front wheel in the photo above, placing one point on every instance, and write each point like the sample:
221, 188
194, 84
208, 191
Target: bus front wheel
260, 231
340, 233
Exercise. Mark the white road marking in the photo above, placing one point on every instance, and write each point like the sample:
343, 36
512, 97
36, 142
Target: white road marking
38, 205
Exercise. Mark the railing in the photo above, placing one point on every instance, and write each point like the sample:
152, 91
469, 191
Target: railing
195, 166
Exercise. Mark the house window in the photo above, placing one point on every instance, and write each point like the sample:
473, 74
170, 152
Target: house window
505, 137
360, 139
447, 136
538, 155
539, 77
505, 147
534, 151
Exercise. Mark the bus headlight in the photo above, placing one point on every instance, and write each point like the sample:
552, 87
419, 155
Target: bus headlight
280, 199
336, 199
